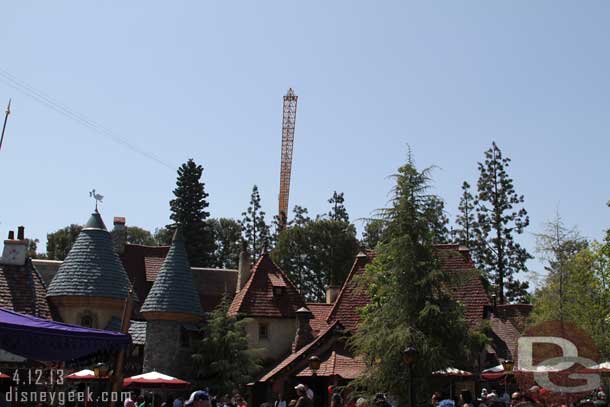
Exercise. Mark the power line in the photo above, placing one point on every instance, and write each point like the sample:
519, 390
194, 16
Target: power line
48, 101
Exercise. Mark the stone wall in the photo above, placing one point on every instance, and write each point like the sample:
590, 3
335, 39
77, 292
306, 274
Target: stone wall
165, 352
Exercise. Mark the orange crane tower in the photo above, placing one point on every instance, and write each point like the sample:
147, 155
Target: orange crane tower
288, 122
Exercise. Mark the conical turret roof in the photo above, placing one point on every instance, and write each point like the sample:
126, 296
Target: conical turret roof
173, 291
92, 268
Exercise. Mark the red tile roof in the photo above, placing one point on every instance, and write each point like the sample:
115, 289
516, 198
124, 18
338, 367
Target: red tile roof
343, 366
320, 313
134, 261
22, 290
152, 265
467, 289
257, 297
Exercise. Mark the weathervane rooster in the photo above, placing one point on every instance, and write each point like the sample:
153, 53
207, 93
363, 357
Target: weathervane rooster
97, 197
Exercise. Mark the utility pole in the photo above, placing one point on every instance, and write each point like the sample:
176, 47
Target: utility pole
8, 111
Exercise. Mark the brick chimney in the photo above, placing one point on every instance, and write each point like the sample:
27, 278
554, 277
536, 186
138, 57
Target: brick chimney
14, 252
332, 291
244, 267
304, 333
119, 234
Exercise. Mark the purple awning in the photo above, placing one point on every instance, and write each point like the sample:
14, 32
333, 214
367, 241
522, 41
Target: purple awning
44, 340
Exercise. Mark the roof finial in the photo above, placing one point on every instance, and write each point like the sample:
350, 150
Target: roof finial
97, 197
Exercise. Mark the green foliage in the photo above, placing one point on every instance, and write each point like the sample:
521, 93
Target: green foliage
31, 247
60, 242
227, 233
585, 292
338, 211
410, 303
255, 230
222, 358
316, 253
498, 221
137, 235
466, 218
188, 209
373, 232
163, 236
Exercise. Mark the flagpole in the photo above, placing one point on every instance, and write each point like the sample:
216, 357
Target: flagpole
8, 111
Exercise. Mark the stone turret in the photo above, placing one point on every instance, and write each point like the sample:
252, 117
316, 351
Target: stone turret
91, 285
304, 333
172, 308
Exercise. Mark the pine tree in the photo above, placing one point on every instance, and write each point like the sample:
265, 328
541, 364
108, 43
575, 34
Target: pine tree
498, 221
255, 230
466, 218
410, 303
227, 233
338, 211
188, 209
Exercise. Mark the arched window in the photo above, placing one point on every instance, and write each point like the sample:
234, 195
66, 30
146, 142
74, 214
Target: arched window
86, 321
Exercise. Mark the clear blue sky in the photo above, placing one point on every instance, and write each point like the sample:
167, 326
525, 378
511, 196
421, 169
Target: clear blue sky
205, 80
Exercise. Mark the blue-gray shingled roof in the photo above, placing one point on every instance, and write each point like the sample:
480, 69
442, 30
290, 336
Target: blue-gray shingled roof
92, 267
174, 290
137, 330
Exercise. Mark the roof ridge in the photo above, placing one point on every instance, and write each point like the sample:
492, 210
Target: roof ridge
347, 281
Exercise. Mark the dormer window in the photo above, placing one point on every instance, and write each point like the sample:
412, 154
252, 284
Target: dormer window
278, 291
263, 331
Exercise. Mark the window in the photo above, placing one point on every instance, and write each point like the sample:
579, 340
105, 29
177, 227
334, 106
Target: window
278, 291
263, 331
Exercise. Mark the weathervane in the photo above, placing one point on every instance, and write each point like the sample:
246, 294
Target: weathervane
97, 197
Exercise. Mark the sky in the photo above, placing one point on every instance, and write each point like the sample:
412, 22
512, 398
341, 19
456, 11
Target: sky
205, 80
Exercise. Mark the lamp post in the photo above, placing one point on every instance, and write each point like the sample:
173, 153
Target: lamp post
314, 365
409, 357
508, 367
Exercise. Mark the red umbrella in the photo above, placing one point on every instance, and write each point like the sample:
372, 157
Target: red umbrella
154, 379
4, 376
452, 371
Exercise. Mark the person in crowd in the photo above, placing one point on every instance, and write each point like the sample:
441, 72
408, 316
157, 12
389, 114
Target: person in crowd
293, 403
303, 400
239, 401
466, 399
361, 402
446, 402
199, 398
309, 392
280, 402
436, 398
484, 394
141, 401
336, 400
381, 400
129, 401
178, 402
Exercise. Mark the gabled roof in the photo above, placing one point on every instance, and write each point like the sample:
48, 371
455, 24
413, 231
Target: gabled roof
257, 297
319, 313
173, 290
334, 329
336, 364
467, 287
22, 290
91, 268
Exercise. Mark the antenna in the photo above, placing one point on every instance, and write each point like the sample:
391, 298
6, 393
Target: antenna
8, 111
288, 122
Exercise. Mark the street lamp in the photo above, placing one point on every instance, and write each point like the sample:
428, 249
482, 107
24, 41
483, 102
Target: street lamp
314, 364
508, 365
100, 370
409, 357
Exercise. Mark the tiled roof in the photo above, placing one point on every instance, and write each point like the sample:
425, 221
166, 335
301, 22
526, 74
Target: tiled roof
351, 297
319, 313
518, 314
152, 265
22, 290
335, 364
114, 324
92, 268
212, 284
257, 297
294, 357
133, 259
173, 290
137, 330
508, 321
467, 289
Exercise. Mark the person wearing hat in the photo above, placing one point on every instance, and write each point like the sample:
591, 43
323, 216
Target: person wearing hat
303, 400
198, 398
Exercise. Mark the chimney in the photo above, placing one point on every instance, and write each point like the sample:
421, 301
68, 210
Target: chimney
304, 333
14, 252
332, 291
243, 273
119, 234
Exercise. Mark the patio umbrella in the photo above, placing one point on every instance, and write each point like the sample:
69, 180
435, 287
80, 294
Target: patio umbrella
494, 373
4, 376
154, 380
84, 375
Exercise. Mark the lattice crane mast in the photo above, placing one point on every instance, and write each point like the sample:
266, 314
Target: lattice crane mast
288, 122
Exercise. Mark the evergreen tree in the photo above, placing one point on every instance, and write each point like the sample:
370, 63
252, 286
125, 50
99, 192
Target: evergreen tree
338, 211
228, 242
466, 218
498, 221
373, 232
255, 230
410, 303
435, 208
223, 360
188, 209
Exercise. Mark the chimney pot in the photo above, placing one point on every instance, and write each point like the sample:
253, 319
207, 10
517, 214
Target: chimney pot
20, 233
119, 220
11, 235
